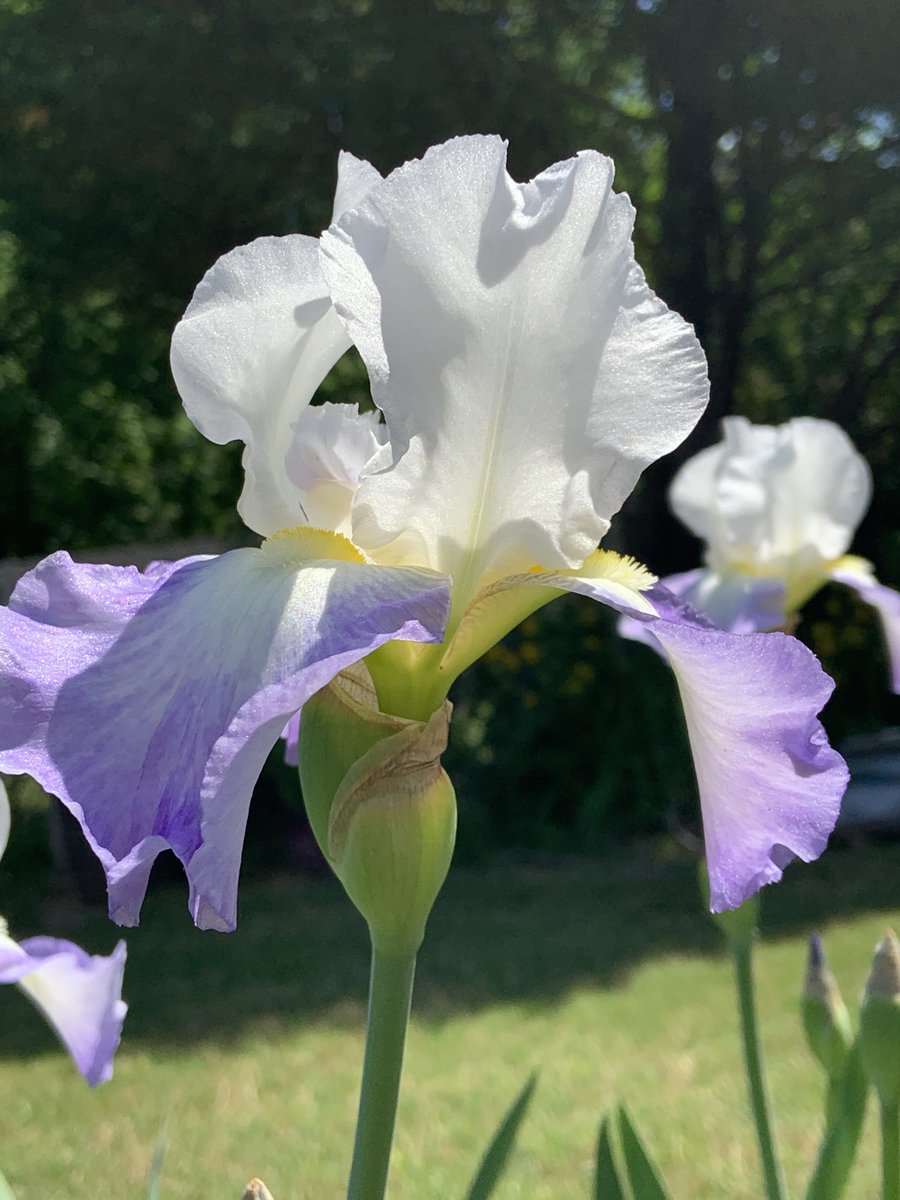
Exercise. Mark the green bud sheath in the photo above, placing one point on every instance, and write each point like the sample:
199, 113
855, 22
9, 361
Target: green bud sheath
826, 1021
879, 1022
380, 804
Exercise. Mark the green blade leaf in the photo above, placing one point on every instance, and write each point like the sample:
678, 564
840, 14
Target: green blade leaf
606, 1177
6, 1192
154, 1179
642, 1174
838, 1148
495, 1159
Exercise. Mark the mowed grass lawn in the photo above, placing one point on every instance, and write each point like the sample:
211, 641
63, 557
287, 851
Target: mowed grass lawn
603, 976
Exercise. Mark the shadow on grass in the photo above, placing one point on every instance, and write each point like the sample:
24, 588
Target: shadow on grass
509, 933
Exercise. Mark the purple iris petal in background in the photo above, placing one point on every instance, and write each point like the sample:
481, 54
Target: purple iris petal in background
886, 603
770, 785
80, 995
148, 703
738, 604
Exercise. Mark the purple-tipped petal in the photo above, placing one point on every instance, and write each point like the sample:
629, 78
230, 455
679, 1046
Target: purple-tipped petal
148, 704
770, 785
886, 603
80, 994
738, 604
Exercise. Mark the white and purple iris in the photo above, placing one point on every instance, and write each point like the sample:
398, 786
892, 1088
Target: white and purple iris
777, 507
79, 994
525, 375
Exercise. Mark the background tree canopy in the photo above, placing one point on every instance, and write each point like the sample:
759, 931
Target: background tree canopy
761, 144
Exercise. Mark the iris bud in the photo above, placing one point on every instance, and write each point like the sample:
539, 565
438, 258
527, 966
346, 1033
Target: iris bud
826, 1021
879, 1022
256, 1190
381, 806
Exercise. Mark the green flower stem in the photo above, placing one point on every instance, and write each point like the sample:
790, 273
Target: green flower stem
890, 1151
742, 951
832, 1100
390, 992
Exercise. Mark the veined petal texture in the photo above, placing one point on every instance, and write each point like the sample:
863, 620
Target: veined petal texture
148, 703
770, 785
80, 994
257, 339
526, 372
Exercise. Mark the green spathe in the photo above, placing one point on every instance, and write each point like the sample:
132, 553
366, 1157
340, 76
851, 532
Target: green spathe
879, 1022
826, 1021
381, 806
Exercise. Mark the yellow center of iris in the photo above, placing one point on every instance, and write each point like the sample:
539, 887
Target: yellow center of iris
617, 568
304, 543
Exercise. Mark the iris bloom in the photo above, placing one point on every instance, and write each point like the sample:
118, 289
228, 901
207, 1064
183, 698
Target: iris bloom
80, 994
777, 508
526, 375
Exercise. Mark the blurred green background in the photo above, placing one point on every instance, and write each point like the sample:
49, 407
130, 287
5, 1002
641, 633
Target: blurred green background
760, 143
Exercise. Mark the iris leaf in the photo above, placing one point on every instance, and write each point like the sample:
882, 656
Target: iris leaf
606, 1178
496, 1157
642, 1174
838, 1148
154, 1178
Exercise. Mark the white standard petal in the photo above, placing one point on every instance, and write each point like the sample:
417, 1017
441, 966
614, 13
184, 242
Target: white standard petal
781, 500
331, 446
257, 339
526, 371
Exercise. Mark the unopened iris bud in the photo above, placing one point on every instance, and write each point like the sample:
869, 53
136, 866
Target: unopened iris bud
879, 1022
826, 1021
381, 806
256, 1190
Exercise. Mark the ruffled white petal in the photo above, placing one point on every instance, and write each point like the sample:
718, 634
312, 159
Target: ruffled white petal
257, 339
355, 180
782, 498
331, 446
526, 371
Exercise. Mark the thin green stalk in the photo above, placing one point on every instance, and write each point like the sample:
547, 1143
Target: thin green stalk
832, 1099
390, 992
890, 1151
759, 1103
